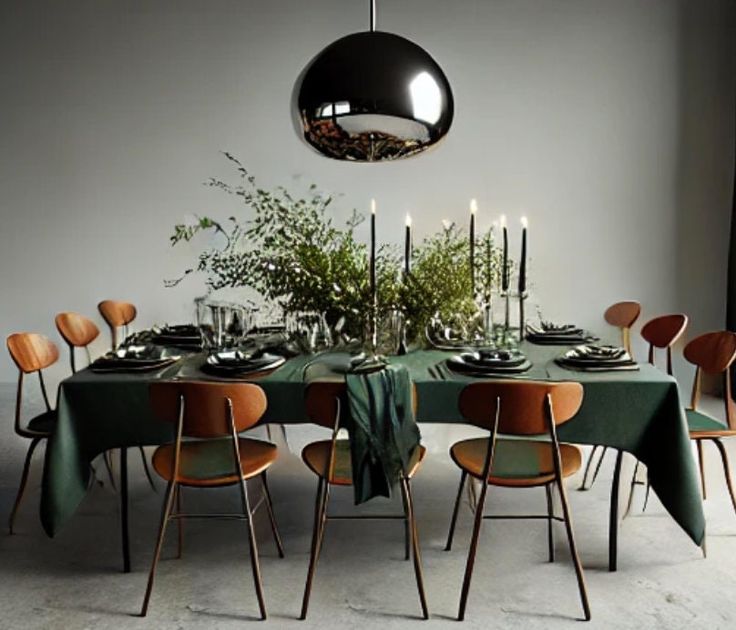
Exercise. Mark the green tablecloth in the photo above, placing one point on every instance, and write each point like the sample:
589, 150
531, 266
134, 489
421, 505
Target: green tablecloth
639, 412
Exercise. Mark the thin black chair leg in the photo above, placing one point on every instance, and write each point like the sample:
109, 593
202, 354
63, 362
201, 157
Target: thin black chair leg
23, 481
455, 510
407, 527
726, 471
145, 467
179, 524
632, 486
320, 505
588, 465
271, 516
107, 457
613, 515
254, 562
550, 514
409, 502
701, 465
165, 513
124, 525
598, 467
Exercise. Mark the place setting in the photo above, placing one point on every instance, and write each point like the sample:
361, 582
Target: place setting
134, 358
597, 358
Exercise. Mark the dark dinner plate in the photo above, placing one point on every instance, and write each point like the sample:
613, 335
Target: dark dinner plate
474, 364
240, 364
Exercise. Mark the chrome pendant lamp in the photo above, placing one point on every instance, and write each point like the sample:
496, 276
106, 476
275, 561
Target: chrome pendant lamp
372, 96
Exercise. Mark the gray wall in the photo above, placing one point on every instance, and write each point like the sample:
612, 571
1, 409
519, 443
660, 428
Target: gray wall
609, 123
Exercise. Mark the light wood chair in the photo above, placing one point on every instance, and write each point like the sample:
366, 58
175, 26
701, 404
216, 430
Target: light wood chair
78, 331
622, 315
712, 353
330, 461
117, 315
518, 408
213, 414
660, 333
31, 353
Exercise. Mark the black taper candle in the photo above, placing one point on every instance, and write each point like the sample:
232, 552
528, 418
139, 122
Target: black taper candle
373, 253
522, 264
407, 246
473, 210
505, 268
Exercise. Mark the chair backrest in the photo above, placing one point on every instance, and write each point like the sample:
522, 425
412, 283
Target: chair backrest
206, 406
117, 314
321, 401
524, 405
32, 352
623, 315
663, 332
77, 330
713, 353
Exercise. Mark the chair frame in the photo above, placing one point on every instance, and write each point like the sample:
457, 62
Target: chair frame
715, 437
479, 516
35, 436
321, 517
174, 495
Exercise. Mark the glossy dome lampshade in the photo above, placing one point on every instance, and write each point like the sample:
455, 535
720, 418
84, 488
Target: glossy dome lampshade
373, 96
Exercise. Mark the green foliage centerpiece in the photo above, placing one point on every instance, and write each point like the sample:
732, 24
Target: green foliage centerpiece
290, 251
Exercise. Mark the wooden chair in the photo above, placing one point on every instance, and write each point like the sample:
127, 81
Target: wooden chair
622, 315
661, 332
213, 414
31, 353
712, 353
117, 315
78, 331
520, 408
330, 461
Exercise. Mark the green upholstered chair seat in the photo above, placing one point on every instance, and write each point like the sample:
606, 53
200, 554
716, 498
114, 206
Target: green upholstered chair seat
211, 462
698, 421
515, 462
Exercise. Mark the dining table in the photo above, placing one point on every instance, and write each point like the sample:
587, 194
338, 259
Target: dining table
634, 411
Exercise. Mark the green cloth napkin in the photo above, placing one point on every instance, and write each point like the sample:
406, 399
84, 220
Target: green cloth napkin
383, 432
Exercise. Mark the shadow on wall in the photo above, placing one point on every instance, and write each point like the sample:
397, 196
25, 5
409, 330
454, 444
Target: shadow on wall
704, 180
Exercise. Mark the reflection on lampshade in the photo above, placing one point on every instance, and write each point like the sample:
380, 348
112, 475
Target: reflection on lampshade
372, 96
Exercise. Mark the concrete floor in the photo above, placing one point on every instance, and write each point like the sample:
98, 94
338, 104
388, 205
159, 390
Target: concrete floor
74, 580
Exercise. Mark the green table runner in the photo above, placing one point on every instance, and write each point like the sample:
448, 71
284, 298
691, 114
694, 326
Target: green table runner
639, 412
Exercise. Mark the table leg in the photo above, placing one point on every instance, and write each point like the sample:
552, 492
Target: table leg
124, 508
613, 518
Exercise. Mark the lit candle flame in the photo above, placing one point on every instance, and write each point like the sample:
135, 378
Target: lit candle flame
473, 206
446, 223
373, 206
524, 222
408, 220
502, 221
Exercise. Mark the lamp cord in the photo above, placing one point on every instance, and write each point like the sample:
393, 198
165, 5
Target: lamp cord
373, 15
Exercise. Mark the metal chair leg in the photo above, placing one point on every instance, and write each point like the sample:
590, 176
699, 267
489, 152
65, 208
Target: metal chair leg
473, 550
726, 470
255, 565
573, 547
148, 472
598, 467
179, 524
632, 485
550, 514
702, 467
23, 481
407, 527
587, 467
409, 502
165, 513
646, 495
107, 457
271, 517
613, 515
456, 509
320, 508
